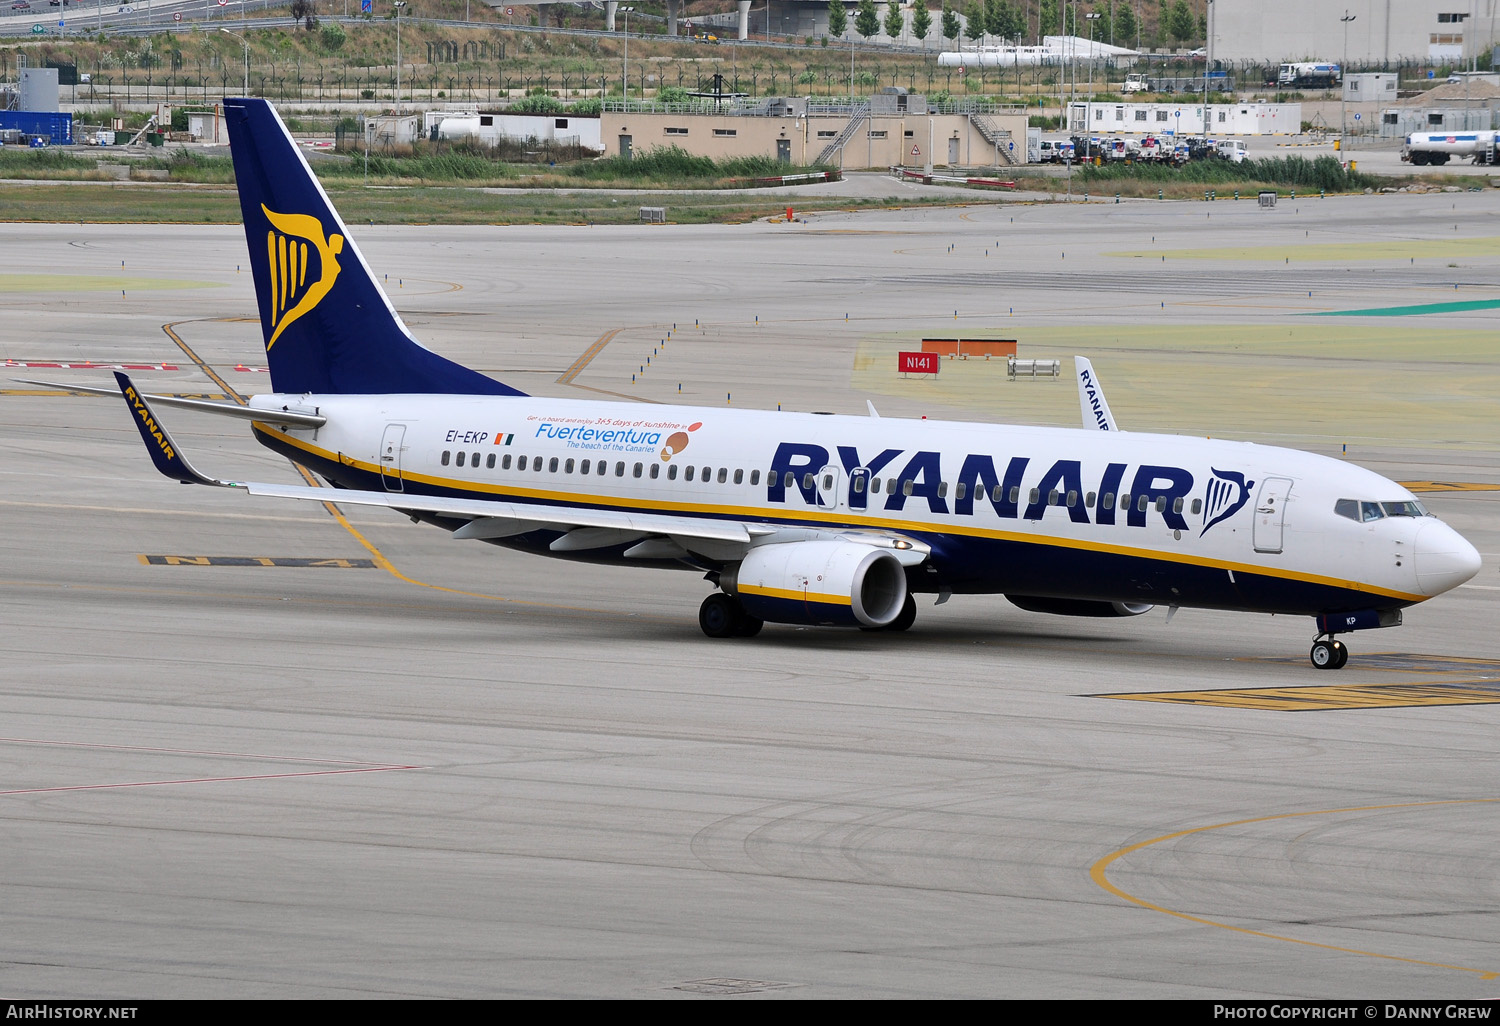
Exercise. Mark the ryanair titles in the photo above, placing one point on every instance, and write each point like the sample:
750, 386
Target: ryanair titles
1014, 488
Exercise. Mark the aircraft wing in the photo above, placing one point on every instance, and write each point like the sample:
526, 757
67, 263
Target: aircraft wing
585, 527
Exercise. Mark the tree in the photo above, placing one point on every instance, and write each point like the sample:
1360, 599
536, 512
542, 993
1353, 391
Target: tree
894, 22
866, 19
838, 21
1046, 18
921, 20
1101, 26
1181, 25
1125, 25
951, 27
974, 15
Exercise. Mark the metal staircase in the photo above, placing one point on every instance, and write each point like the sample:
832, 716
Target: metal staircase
996, 136
860, 115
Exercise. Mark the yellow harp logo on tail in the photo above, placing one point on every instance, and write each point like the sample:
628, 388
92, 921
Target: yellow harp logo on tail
287, 246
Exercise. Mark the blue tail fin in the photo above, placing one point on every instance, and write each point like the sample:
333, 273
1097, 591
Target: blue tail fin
328, 327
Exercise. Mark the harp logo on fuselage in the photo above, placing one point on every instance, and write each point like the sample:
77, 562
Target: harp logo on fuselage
294, 243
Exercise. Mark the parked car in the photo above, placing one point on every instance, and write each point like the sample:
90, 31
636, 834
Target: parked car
20, 5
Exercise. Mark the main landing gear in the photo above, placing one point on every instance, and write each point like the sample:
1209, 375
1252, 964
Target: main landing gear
1329, 654
721, 616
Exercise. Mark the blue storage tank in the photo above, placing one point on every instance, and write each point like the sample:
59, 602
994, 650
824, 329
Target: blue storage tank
56, 128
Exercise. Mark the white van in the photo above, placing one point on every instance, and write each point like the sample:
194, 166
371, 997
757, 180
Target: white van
1233, 150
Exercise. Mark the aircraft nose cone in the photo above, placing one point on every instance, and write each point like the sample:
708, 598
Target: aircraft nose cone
1444, 559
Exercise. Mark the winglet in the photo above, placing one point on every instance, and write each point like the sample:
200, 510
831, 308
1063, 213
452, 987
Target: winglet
159, 444
1091, 397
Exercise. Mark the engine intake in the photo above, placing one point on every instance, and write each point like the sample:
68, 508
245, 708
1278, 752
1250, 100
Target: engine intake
819, 582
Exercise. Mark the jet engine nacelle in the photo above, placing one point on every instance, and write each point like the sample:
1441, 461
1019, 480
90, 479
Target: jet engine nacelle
1078, 607
819, 582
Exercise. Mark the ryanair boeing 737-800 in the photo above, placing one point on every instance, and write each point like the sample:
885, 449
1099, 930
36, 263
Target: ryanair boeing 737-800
794, 518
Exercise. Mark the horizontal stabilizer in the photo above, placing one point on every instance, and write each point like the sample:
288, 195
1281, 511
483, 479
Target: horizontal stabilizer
286, 417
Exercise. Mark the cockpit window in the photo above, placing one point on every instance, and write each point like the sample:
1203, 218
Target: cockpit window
1364, 512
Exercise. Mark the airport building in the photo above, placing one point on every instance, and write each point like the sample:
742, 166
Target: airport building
1185, 118
1376, 32
889, 130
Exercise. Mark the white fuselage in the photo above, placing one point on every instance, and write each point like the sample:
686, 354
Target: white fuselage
1032, 510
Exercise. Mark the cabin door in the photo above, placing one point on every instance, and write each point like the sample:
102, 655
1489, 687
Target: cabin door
390, 456
1270, 513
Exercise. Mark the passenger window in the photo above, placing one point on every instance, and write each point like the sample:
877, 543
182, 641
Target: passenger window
552, 465
997, 492
723, 474
687, 475
1088, 500
620, 469
568, 467
1072, 499
1109, 500
859, 486
890, 486
739, 476
942, 489
536, 464
807, 481
960, 490
827, 482
602, 468
1015, 494
583, 468
755, 477
671, 472
461, 455
790, 481
1140, 504
446, 454
520, 463
706, 474
1052, 497
489, 462
907, 486
474, 461
655, 471
874, 486
637, 471
1177, 504
1161, 504
1036, 494
1197, 506
1124, 500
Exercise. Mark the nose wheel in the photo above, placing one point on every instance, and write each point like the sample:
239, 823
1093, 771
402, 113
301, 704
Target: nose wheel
1329, 654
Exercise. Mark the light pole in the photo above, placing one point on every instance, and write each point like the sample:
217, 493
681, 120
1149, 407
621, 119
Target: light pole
1092, 17
1344, 92
1208, 61
247, 57
398, 5
625, 59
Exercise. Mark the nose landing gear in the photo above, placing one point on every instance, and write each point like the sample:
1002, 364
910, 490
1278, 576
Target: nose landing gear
1329, 654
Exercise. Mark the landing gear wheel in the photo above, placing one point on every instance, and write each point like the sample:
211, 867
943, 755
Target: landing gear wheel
720, 616
749, 626
906, 617
1329, 654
